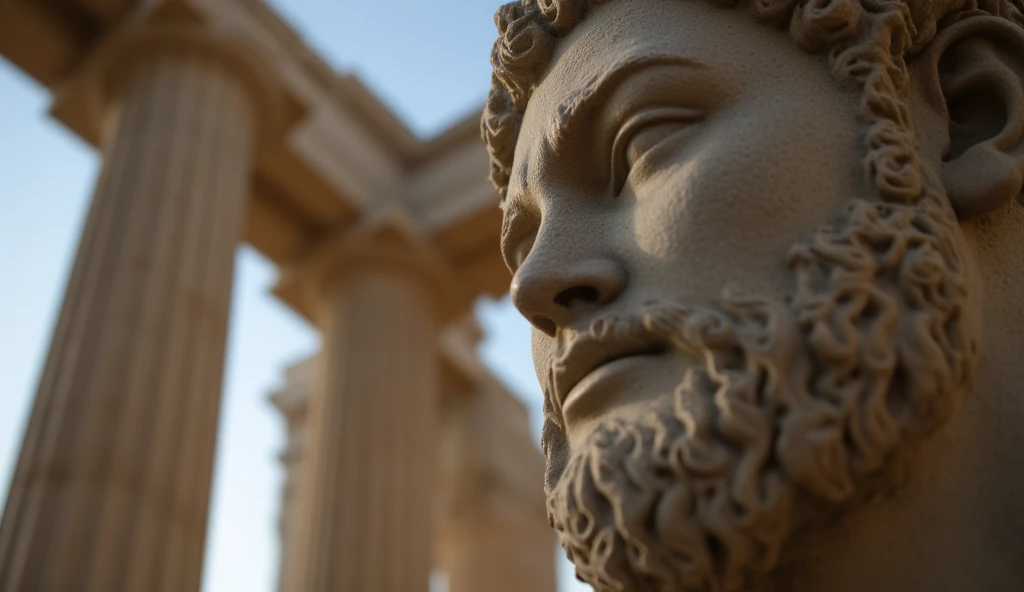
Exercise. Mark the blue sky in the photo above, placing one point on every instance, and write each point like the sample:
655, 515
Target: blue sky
429, 64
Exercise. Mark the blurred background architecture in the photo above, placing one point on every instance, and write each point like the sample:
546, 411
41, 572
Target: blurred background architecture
217, 126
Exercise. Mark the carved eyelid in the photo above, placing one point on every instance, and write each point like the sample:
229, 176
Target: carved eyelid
636, 122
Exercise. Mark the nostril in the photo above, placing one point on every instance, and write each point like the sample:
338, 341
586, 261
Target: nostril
586, 294
544, 324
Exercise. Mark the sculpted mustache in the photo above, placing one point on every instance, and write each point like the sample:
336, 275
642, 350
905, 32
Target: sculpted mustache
656, 318
621, 330
690, 329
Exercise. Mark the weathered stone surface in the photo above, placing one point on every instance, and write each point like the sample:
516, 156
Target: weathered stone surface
772, 258
112, 486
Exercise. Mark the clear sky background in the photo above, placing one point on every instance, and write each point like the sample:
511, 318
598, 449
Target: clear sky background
428, 61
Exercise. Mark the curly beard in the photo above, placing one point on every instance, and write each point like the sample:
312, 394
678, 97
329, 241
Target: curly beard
797, 409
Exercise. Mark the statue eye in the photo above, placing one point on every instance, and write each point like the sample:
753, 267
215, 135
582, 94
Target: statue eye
643, 132
648, 137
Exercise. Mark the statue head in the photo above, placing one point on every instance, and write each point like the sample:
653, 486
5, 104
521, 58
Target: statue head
738, 233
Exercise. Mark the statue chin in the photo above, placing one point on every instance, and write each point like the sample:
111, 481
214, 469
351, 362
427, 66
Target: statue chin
794, 406
799, 401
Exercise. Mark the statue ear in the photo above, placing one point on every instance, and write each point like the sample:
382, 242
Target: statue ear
975, 72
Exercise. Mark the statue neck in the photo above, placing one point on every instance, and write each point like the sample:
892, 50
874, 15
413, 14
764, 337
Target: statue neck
958, 522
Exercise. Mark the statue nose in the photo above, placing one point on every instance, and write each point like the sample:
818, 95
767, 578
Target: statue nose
552, 296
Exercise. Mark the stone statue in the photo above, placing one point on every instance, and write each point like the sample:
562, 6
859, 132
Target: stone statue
773, 255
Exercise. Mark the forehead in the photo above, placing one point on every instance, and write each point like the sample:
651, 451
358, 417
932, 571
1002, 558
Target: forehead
726, 41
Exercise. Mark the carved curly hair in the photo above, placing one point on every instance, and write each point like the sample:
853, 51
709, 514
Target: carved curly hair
893, 256
867, 42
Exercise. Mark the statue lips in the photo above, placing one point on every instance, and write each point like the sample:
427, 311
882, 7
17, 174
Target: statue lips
589, 367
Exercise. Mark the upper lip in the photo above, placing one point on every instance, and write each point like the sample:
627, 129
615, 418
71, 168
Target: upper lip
586, 354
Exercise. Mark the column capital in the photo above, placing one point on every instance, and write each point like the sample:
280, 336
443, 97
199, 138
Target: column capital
387, 241
84, 102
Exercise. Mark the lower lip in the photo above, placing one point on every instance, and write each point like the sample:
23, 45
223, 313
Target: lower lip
592, 394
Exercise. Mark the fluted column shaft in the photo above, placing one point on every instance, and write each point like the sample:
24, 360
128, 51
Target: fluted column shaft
496, 554
366, 502
112, 485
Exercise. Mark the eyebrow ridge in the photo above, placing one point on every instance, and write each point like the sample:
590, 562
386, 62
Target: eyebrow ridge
596, 88
599, 87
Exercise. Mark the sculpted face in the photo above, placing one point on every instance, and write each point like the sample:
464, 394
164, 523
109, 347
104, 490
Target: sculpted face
666, 169
747, 284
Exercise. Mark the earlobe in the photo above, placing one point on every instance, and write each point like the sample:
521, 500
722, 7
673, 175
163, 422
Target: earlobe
982, 180
976, 72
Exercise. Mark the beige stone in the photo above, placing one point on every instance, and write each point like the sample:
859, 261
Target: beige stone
772, 258
493, 534
112, 487
292, 400
217, 125
364, 516
491, 531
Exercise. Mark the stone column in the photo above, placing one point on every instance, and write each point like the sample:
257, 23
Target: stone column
112, 486
494, 533
499, 554
366, 501
292, 400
